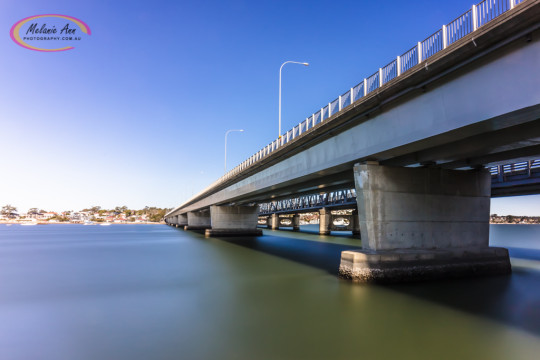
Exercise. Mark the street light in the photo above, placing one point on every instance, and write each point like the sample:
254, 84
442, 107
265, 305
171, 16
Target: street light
227, 133
286, 62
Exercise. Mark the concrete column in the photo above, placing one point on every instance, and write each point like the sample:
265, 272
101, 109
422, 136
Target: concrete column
198, 220
274, 222
422, 223
325, 219
182, 220
234, 221
296, 222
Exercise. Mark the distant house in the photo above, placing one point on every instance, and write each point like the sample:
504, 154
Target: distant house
49, 215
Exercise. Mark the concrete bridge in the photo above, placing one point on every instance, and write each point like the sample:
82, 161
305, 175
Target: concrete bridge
413, 140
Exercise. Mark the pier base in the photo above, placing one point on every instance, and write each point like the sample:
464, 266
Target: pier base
406, 265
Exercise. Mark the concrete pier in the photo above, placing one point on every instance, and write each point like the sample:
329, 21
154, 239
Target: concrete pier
422, 223
198, 220
296, 222
325, 217
274, 222
182, 220
234, 221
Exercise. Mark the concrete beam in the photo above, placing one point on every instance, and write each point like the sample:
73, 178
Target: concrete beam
234, 221
422, 223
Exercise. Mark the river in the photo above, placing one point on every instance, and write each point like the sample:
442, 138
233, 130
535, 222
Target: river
157, 292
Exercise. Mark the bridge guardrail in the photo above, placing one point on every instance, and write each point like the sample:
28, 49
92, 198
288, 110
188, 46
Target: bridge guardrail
479, 15
499, 173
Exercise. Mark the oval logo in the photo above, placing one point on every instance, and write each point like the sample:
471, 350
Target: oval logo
49, 33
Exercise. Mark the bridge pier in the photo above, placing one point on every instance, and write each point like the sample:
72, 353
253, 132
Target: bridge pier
182, 220
234, 221
325, 218
198, 220
296, 222
274, 222
422, 223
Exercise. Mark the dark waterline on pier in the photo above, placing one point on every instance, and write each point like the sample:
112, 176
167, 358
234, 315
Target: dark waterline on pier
156, 292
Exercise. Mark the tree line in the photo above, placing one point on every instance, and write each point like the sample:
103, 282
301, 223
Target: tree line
153, 213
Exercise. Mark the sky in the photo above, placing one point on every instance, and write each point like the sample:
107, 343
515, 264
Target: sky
136, 114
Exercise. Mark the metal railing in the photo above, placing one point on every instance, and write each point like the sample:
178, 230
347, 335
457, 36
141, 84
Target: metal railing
501, 172
479, 15
346, 197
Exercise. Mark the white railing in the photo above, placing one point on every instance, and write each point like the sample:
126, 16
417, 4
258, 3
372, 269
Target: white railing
479, 15
433, 44
461, 26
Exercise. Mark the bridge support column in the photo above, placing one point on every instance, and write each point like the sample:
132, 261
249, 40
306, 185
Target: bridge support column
234, 221
182, 220
422, 223
269, 222
198, 220
296, 222
274, 222
325, 218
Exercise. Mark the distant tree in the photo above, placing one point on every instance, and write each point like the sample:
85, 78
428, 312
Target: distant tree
509, 218
32, 211
120, 209
7, 210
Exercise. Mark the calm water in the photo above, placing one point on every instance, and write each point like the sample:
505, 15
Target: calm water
156, 292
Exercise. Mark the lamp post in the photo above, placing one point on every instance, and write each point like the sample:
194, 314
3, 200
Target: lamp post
286, 62
227, 133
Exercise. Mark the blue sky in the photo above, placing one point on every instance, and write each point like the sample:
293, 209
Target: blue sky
136, 114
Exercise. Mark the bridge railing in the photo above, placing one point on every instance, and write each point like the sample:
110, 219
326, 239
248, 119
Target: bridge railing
502, 172
474, 18
345, 197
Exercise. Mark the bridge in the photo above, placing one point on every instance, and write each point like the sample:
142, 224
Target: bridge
420, 146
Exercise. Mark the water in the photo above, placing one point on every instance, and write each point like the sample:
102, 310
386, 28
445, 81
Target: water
156, 292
